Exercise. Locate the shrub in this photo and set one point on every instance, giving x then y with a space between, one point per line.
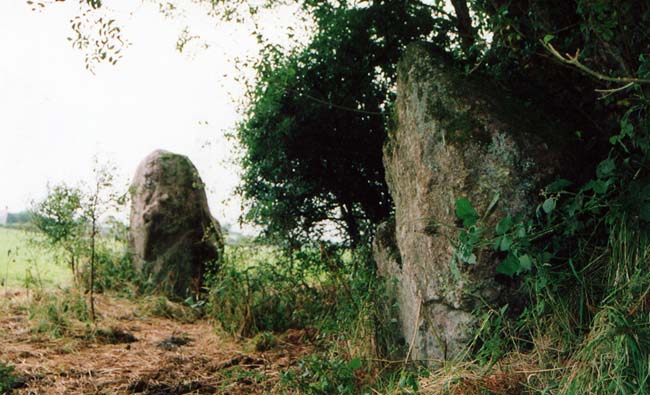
7 378
258 290
114 271
316 375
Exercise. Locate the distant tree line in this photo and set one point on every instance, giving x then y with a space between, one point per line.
21 217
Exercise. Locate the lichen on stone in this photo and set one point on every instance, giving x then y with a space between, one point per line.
455 137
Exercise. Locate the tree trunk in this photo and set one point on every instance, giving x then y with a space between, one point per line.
464 25
351 223
93 236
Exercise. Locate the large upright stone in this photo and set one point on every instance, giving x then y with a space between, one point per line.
173 234
454 136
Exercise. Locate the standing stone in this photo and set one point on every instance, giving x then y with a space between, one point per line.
173 234
454 136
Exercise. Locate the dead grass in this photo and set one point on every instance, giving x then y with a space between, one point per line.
85 363
515 374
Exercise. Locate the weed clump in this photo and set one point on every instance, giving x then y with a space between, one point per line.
114 335
160 306
334 301
264 341
54 314
7 378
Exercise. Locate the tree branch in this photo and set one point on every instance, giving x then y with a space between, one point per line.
572 60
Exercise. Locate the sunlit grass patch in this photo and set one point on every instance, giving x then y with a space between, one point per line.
24 262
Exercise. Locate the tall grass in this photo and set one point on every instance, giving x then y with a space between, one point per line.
334 296
614 354
586 330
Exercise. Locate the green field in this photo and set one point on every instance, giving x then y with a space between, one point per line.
24 263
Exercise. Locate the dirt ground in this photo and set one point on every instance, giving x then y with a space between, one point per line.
144 354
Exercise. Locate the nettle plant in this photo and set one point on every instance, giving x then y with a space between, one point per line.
511 236
569 221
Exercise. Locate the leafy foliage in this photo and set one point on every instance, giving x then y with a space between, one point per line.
321 376
69 218
314 132
256 291
58 218
349 313
7 378
20 218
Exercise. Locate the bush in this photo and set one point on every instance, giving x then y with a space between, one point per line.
114 271
7 378
316 375
257 289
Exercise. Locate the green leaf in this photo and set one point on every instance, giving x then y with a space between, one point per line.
548 38
504 225
505 244
605 168
548 205
509 266
599 187
355 363
525 263
466 212
493 203
521 231
627 129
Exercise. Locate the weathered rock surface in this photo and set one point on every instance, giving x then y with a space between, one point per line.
454 137
173 234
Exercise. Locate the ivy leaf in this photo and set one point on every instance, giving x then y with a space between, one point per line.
521 231
355 363
525 263
548 205
504 225
466 212
599 187
605 168
471 259
627 129
509 266
505 244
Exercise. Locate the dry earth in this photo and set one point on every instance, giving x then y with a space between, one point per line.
145 354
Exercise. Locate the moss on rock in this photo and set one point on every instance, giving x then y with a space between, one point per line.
456 136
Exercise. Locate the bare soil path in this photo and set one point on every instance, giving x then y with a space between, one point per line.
132 353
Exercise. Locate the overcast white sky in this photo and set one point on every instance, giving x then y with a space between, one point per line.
55 116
